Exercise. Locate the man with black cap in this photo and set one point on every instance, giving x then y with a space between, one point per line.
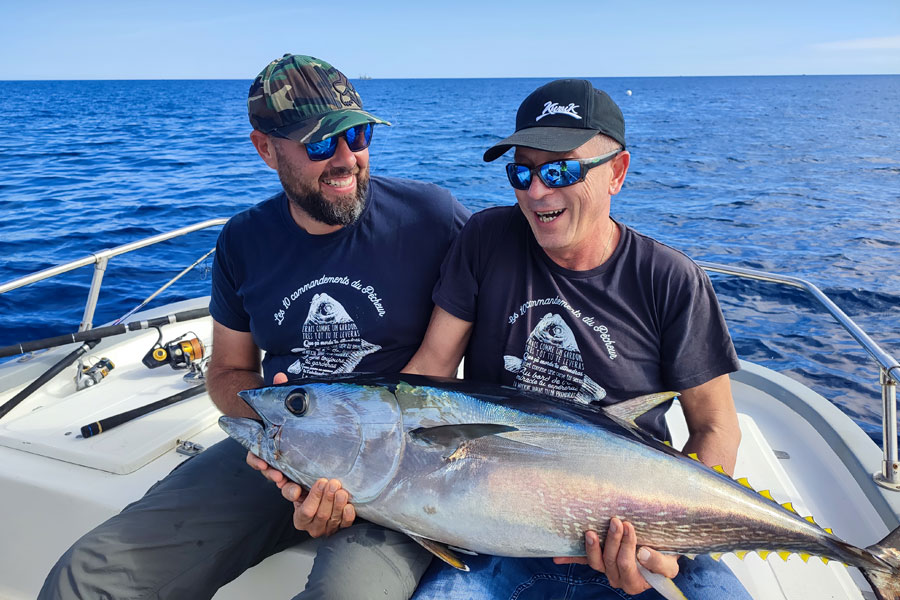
554 296
332 274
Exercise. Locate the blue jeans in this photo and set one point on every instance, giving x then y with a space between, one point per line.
541 579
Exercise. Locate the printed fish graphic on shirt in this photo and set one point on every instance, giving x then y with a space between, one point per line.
552 364
331 340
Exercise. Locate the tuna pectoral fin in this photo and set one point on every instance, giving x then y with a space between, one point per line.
453 435
442 552
662 584
630 410
886 583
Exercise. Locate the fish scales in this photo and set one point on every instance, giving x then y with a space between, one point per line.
505 472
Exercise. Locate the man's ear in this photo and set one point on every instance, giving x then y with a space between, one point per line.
620 169
265 147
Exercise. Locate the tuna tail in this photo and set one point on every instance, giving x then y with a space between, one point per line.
886 583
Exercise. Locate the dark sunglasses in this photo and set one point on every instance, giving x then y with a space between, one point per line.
556 173
358 138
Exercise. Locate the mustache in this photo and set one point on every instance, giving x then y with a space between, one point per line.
339 172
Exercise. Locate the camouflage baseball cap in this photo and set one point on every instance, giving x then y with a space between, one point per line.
304 99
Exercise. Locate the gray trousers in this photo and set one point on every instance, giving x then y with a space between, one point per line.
208 521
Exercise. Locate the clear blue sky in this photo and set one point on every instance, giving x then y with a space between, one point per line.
98 39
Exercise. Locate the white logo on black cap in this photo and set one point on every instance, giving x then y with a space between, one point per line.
553 108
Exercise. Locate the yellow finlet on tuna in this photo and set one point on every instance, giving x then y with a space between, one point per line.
744 482
829 530
804 556
790 507
811 520
741 553
784 555
767 494
716 555
764 554
719 469
693 455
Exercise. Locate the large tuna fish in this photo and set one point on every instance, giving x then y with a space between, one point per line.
499 471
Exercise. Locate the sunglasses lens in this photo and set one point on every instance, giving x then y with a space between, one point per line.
560 173
358 137
322 150
519 176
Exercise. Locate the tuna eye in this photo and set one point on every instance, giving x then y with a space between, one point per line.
297 402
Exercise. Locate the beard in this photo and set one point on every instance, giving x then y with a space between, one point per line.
343 210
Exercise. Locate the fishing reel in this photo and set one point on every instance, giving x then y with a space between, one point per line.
178 354
89 375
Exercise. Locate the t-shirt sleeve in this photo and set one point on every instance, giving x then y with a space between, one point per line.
696 346
457 289
225 304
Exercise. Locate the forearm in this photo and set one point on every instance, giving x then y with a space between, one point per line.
223 385
712 423
443 346
716 446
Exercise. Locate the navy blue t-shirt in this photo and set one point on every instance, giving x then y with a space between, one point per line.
647 320
357 299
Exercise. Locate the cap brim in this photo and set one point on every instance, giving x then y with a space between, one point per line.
327 125
550 139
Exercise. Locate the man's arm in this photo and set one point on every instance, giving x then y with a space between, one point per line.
714 433
443 346
233 366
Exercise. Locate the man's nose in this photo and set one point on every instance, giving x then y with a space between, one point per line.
343 155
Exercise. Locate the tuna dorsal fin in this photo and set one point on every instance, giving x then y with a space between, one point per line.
441 551
630 410
453 435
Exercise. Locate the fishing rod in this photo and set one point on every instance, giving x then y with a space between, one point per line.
98 427
102 332
46 376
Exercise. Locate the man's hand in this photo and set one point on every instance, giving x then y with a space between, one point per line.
273 475
619 557
324 510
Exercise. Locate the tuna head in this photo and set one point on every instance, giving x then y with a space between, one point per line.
308 431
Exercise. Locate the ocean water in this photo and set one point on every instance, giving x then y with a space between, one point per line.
794 175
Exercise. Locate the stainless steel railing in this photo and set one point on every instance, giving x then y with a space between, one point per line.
889 368
100 260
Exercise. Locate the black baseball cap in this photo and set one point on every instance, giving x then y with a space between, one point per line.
562 115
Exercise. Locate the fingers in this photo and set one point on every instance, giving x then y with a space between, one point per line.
325 509
657 562
611 550
619 558
256 462
279 378
273 475
594 556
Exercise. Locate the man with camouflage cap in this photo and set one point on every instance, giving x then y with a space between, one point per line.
332 274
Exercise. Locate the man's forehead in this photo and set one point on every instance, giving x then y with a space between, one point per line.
541 156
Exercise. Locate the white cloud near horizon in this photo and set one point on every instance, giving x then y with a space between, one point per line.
874 43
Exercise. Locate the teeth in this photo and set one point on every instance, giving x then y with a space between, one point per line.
546 217
339 182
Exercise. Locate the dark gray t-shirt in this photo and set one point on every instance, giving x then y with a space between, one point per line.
357 299
647 320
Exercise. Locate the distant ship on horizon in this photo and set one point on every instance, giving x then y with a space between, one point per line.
364 77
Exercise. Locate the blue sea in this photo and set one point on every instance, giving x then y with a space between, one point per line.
795 175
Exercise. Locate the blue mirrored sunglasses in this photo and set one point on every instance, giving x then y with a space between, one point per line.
556 173
358 138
